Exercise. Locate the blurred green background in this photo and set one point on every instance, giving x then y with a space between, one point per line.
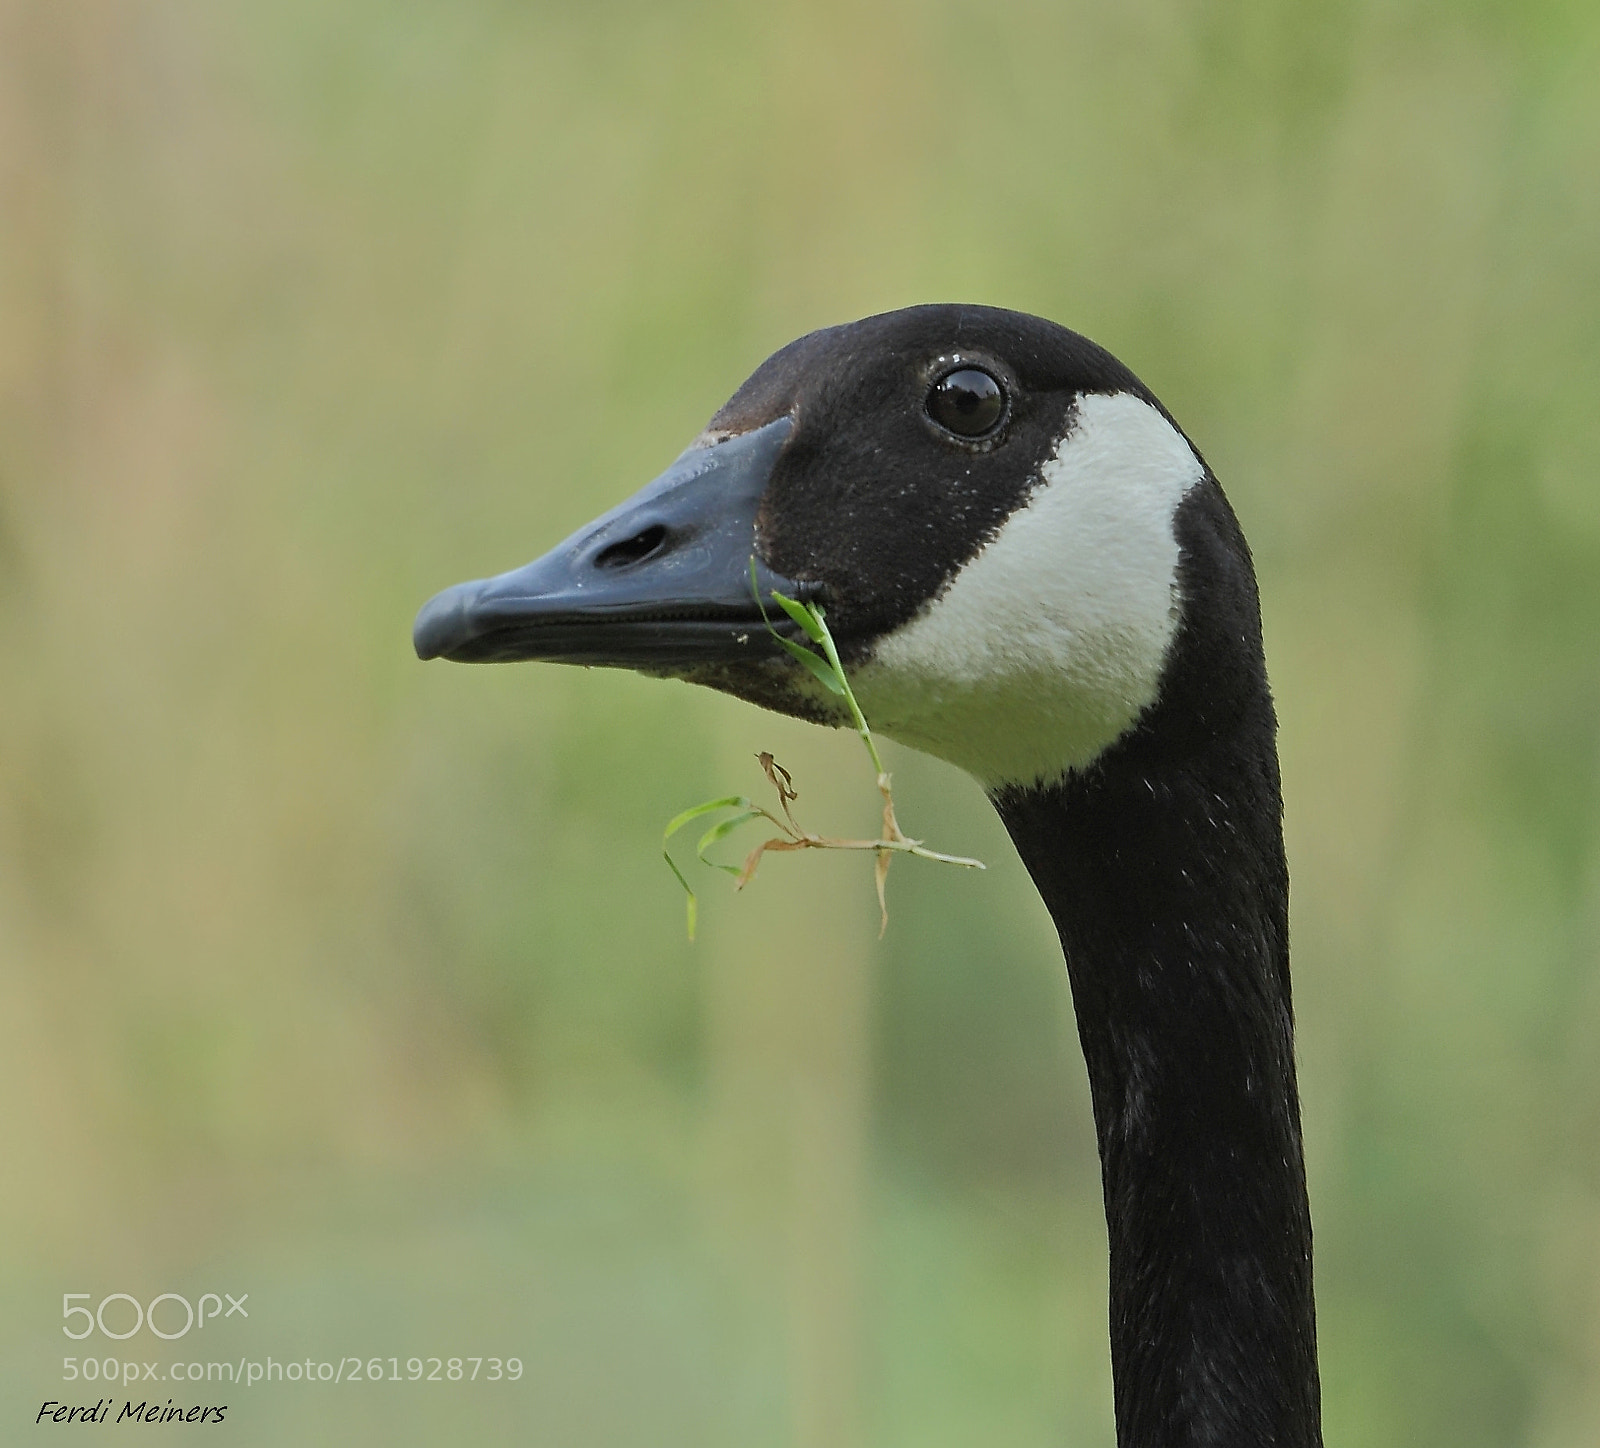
360 985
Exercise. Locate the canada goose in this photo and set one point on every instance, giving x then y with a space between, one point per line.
1032 573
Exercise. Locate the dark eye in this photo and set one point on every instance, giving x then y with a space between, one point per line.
967 402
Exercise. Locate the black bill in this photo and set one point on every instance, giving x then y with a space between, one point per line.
661 581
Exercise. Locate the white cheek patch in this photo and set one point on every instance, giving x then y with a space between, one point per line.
1050 642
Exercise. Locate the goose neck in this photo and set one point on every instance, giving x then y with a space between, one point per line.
1169 890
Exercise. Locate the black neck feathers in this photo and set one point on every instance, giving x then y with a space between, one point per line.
1163 867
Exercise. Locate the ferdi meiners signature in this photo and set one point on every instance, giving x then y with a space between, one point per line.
145 1412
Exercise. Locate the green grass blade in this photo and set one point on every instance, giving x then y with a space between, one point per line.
815 662
691 906
711 806
837 669
722 831
804 614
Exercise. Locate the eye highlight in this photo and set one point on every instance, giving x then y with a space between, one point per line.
967 402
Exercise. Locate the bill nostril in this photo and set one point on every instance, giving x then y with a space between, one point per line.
632 550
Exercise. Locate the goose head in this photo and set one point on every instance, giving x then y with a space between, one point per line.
996 516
